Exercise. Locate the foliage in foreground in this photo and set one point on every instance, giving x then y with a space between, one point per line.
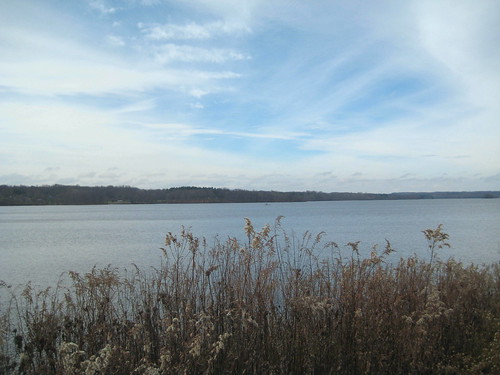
270 305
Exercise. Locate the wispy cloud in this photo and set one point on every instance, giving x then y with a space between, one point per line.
115 40
257 94
100 6
51 77
45 63
167 53
190 30
464 44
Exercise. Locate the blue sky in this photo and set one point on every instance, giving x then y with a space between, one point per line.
363 96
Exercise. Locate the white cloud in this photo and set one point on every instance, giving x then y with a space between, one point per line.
76 139
173 130
150 2
238 12
42 62
463 37
101 6
197 105
190 31
296 89
115 40
139 106
198 93
96 76
167 53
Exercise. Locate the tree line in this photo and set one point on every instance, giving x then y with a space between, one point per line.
75 194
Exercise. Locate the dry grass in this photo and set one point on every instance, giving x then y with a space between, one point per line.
270 305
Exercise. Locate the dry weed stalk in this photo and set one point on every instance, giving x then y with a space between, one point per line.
272 304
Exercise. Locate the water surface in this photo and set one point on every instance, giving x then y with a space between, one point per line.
39 243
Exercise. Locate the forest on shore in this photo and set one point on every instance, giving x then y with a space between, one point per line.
76 194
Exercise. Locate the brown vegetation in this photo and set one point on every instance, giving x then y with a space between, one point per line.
270 305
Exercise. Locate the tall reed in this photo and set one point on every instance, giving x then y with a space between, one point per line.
271 304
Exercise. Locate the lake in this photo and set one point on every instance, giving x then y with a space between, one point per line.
39 243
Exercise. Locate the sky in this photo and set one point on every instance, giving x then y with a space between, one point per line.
325 95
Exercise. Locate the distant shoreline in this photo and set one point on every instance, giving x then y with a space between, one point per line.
21 195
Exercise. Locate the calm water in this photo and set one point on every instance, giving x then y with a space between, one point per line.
39 243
